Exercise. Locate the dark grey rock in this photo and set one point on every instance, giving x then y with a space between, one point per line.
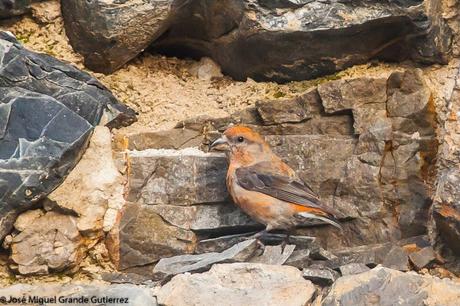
292 40
386 287
397 259
320 276
110 33
48 110
9 8
422 258
353 268
242 251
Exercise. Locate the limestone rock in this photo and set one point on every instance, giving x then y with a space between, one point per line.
110 33
93 186
47 112
49 243
383 286
239 284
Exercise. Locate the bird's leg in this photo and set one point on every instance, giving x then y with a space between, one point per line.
258 234
285 240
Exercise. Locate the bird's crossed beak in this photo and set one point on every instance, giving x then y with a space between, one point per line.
220 144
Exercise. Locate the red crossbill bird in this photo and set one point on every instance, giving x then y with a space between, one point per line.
265 187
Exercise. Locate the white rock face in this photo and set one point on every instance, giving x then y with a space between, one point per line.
94 188
239 284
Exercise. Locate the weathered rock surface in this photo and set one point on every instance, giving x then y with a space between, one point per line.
353 268
305 39
93 294
422 258
47 112
397 259
176 177
239 284
446 207
374 161
141 237
383 286
9 8
110 33
240 252
94 189
46 242
275 254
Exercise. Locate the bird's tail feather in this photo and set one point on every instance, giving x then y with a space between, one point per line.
330 219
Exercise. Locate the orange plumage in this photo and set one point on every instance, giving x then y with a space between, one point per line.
265 187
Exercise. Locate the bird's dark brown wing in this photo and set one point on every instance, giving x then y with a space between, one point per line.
263 178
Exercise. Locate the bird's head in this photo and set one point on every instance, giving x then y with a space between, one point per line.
243 145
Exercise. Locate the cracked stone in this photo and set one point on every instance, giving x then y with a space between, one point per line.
49 243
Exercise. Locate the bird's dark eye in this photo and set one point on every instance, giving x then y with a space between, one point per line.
240 139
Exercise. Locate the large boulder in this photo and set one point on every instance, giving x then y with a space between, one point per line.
110 33
48 110
383 286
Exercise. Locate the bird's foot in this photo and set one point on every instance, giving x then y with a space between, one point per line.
285 242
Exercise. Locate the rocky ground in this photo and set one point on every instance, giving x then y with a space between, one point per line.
145 214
